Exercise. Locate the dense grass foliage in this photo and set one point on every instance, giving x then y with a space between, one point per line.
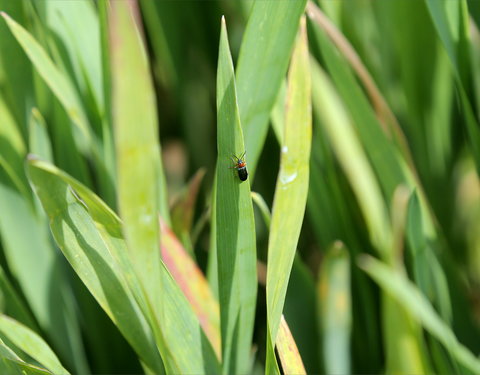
130 244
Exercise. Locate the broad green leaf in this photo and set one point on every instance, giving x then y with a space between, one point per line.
335 312
31 343
288 351
191 352
292 185
262 64
235 229
138 160
411 299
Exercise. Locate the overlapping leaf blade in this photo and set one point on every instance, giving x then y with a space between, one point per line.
90 256
105 269
31 343
262 64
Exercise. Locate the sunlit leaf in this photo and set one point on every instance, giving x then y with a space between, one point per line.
235 229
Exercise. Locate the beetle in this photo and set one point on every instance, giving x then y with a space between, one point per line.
240 166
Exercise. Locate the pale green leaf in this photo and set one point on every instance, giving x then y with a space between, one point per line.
137 151
292 185
335 312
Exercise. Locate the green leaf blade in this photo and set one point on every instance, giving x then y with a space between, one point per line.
138 160
292 185
55 79
235 229
103 265
77 236
335 311
411 299
351 155
31 343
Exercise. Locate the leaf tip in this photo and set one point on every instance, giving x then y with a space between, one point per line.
223 25
363 261
338 245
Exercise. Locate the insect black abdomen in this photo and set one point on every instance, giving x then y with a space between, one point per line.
242 173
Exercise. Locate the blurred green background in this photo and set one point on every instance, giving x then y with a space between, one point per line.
395 155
